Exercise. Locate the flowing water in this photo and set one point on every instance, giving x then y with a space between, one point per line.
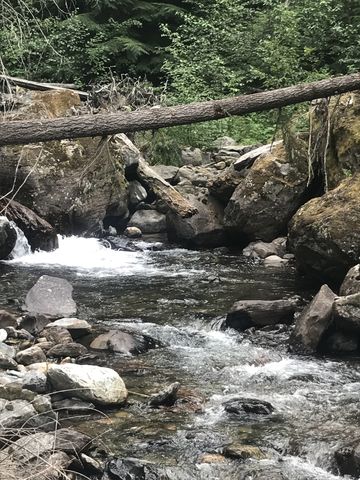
179 297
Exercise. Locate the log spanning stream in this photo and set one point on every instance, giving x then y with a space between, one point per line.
178 296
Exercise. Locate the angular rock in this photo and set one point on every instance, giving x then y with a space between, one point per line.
8 238
347 313
125 342
7 319
58 335
72 350
263 249
75 326
258 313
324 233
241 406
15 413
95 384
51 296
137 193
351 283
7 362
167 172
166 397
39 233
35 382
264 202
148 221
7 350
313 322
31 355
205 228
224 184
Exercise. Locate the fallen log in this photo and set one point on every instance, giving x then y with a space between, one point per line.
30 85
23 132
160 187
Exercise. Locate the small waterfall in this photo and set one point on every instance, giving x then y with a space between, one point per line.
22 246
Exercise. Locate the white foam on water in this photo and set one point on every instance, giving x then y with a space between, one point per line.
89 257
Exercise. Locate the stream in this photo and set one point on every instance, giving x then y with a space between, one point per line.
179 296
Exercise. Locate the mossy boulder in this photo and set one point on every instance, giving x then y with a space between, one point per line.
264 202
325 235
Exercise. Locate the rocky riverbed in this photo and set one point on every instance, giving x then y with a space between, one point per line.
142 368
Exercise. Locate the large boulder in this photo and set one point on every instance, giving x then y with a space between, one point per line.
259 313
351 283
324 234
7 238
264 202
51 296
100 385
347 313
205 228
148 221
39 233
313 323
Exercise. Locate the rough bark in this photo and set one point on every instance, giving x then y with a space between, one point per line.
153 118
162 189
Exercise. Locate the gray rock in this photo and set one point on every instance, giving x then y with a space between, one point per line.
274 261
191 156
3 335
7 362
42 404
240 405
15 413
7 350
95 384
35 381
223 142
242 452
31 355
51 296
34 324
148 221
348 459
313 322
167 172
263 249
72 350
72 405
137 193
347 313
258 313
8 238
75 326
166 397
351 283
7 319
123 342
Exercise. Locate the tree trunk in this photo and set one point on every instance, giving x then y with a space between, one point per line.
22 132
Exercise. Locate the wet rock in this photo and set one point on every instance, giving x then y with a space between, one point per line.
313 322
242 452
91 383
351 283
324 233
348 460
133 232
7 319
72 350
167 172
148 221
264 202
205 228
51 296
58 335
31 355
75 326
123 342
258 313
274 261
166 397
340 343
347 313
263 249
72 405
8 238
239 406
211 458
131 468
39 233
15 413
